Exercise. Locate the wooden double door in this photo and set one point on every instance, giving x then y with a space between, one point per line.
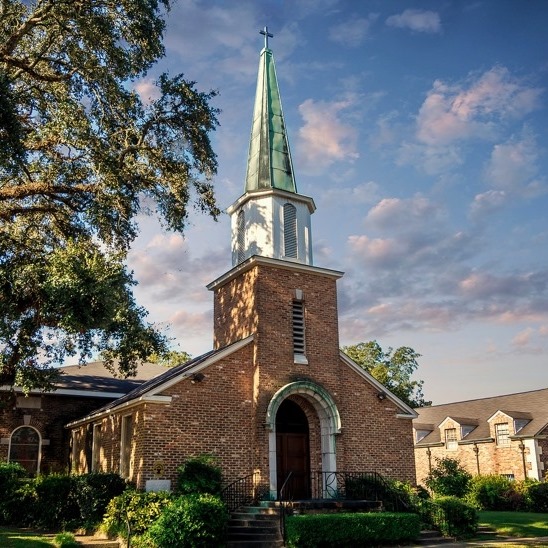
292 451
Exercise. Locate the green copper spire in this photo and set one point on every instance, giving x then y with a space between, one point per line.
269 162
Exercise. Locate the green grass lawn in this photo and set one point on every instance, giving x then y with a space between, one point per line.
21 538
516 524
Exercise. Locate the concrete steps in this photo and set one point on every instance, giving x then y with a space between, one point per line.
255 527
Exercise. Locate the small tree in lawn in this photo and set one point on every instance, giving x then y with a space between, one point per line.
449 478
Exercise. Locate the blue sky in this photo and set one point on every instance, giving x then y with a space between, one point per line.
420 130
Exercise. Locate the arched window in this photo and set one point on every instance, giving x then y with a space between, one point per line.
290 231
240 243
25 448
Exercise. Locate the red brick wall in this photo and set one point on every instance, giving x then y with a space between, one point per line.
225 414
49 420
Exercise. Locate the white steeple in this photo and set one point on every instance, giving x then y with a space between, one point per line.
270 219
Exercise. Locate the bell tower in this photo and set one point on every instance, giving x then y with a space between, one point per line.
271 219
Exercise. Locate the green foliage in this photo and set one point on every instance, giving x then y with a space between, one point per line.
493 492
451 515
52 504
93 492
199 474
80 153
65 540
11 474
349 530
538 495
133 510
448 478
191 521
172 358
393 368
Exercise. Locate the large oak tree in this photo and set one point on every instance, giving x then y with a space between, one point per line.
80 155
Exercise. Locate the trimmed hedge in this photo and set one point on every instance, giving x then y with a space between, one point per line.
349 530
452 516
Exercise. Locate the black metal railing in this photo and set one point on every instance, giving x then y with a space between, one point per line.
241 492
343 485
284 504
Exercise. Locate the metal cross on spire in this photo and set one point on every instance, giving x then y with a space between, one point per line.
266 35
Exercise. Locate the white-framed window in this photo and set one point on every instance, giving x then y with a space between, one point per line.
451 439
126 445
25 444
96 449
240 237
502 434
290 231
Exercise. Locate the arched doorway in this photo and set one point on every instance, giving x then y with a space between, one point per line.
329 426
292 451
25 448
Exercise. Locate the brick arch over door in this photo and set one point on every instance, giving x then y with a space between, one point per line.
328 414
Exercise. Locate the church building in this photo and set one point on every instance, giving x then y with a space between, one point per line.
275 395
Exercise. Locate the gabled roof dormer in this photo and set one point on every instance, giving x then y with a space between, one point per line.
270 219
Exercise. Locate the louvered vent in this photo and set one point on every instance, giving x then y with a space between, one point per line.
298 327
241 237
290 231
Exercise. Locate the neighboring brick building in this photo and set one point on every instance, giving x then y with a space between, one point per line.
504 435
276 394
32 428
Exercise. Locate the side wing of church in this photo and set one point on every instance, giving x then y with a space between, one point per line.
276 395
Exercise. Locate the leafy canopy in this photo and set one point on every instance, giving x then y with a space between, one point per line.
81 154
393 368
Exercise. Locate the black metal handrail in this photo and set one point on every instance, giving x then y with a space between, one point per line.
284 505
240 492
342 485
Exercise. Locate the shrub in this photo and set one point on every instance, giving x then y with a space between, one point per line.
199 475
65 540
349 530
449 478
452 516
538 495
137 509
191 521
92 493
53 505
11 474
490 492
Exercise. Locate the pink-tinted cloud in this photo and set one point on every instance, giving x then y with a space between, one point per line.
452 113
325 137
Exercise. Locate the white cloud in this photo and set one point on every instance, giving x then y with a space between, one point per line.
350 33
487 202
325 137
147 90
451 113
377 252
513 167
416 20
396 212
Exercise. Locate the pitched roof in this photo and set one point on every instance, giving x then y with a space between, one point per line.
168 377
95 377
269 163
531 405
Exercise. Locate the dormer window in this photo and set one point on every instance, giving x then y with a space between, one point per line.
290 231
451 443
502 434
